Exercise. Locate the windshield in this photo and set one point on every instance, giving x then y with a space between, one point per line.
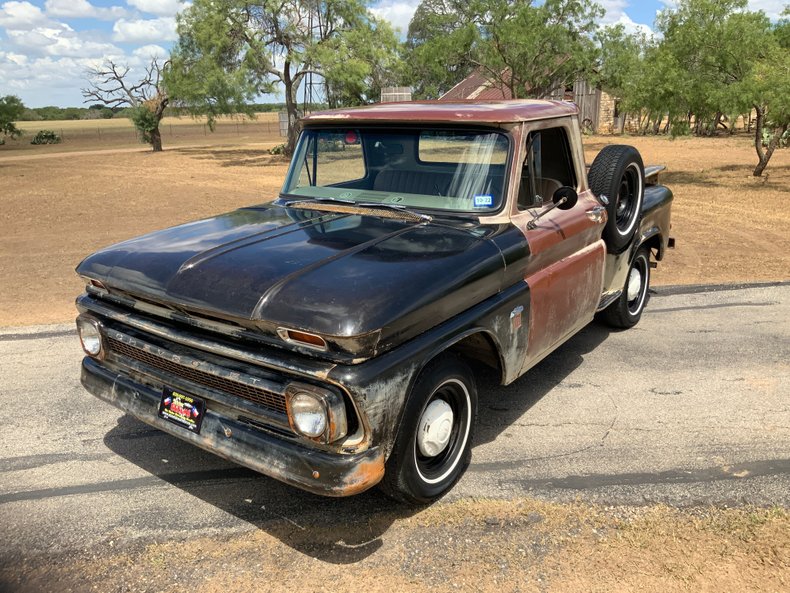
462 171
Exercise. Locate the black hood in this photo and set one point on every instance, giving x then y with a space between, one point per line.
378 280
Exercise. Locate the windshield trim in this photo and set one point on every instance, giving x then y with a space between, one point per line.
294 168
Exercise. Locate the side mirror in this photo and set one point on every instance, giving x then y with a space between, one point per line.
565 198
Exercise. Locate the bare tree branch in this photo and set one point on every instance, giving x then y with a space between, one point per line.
109 85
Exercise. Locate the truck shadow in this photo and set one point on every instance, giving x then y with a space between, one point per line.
499 406
336 530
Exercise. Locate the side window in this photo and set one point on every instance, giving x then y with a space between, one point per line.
547 167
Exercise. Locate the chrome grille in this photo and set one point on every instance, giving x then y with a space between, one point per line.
262 397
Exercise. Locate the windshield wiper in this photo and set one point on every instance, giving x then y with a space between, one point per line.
350 204
398 207
320 199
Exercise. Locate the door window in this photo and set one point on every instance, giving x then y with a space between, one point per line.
547 167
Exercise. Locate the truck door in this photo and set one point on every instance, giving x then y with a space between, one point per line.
565 268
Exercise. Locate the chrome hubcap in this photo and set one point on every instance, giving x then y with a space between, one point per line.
634 284
435 428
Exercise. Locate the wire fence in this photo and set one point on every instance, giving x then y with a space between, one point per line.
249 130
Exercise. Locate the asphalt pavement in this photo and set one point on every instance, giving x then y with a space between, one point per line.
690 407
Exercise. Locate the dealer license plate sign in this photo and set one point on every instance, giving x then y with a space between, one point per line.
185 410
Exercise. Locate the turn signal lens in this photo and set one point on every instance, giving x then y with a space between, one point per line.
302 338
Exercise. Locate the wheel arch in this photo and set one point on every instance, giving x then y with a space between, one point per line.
653 240
480 346
477 344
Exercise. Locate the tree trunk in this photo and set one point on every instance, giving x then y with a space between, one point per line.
291 108
766 154
159 112
156 140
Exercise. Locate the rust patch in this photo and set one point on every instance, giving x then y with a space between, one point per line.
364 476
564 297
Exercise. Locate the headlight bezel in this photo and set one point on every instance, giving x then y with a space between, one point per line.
330 404
85 322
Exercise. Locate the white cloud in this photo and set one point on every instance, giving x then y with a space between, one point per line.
60 40
615 9
47 77
631 27
145 30
21 15
772 8
158 7
82 9
146 52
399 14
616 14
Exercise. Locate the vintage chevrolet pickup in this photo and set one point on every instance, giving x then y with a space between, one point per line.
327 338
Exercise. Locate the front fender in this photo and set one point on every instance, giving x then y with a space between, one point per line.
381 385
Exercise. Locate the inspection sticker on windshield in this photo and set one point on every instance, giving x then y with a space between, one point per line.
184 410
484 201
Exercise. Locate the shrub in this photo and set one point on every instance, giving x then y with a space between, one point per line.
144 120
46 137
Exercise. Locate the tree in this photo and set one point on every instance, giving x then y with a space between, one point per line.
772 81
357 65
727 60
11 109
622 71
536 50
529 48
441 40
772 105
230 51
146 99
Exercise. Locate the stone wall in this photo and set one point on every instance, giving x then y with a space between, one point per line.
606 123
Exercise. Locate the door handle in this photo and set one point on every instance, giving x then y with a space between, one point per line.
596 214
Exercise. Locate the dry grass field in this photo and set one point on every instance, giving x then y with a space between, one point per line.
59 203
97 134
487 546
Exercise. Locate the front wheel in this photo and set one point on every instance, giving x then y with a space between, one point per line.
626 311
434 444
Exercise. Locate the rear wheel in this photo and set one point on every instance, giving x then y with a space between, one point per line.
434 444
619 174
626 311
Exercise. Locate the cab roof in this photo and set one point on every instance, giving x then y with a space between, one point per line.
490 112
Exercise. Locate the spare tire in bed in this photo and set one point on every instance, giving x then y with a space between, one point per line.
619 174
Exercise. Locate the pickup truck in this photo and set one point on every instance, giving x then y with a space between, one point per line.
327 338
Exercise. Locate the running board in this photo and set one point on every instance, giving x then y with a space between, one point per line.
608 298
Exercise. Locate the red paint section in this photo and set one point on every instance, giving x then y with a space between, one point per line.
563 299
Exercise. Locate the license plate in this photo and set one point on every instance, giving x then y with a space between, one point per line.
185 410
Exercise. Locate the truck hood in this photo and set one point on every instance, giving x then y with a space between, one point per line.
371 282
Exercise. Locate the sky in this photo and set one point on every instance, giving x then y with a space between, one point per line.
47 46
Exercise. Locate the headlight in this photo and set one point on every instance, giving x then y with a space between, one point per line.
90 335
309 415
316 413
